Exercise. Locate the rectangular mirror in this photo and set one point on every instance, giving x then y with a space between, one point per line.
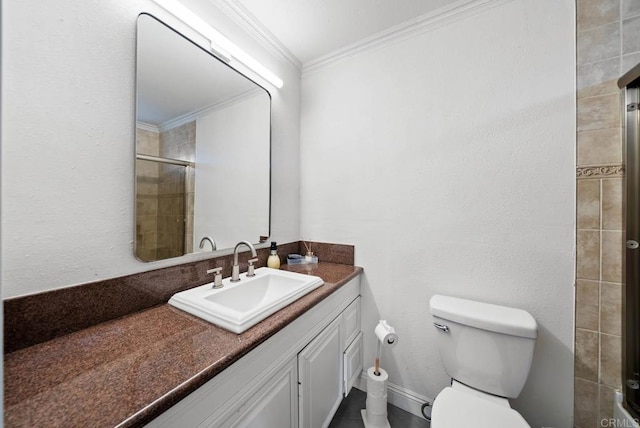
203 149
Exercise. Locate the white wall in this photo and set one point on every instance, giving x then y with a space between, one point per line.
232 159
448 160
68 88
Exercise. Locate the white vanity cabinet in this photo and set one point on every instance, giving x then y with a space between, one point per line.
295 379
328 366
320 377
273 405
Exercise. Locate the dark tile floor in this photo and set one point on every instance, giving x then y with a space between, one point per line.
348 414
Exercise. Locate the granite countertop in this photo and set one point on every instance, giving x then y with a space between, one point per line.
129 370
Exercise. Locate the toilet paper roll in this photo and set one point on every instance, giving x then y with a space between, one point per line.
376 411
377 406
377 420
386 334
376 385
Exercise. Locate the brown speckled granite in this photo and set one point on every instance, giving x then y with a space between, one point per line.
129 370
331 253
34 319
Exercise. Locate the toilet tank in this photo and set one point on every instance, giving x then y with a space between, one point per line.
484 346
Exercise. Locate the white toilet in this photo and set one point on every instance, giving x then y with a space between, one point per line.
487 350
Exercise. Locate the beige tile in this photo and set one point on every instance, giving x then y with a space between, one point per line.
587 304
598 78
600 112
146 206
588 204
588 254
146 188
630 8
612 252
179 142
630 61
146 225
147 142
147 169
585 405
610 360
631 35
607 87
611 308
612 203
586 356
593 13
600 147
598 43
606 402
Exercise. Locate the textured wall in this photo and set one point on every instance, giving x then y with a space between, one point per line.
448 160
68 140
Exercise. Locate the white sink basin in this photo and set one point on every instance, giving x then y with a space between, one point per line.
240 305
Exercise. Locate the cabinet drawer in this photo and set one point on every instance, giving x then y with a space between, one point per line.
350 323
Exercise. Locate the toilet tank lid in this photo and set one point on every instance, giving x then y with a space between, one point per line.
486 316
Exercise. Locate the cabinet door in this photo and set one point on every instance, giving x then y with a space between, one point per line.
320 378
352 363
275 405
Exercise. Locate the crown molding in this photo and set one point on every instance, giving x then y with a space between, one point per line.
147 127
191 116
446 15
249 23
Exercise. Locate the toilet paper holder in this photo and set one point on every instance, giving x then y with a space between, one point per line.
375 414
387 337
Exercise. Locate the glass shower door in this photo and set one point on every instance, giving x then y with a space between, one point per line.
161 208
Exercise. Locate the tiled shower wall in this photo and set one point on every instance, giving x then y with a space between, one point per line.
173 205
608 44
161 203
147 173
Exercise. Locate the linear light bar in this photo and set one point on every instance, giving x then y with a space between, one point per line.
220 45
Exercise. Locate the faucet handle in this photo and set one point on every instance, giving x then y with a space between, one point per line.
250 271
217 279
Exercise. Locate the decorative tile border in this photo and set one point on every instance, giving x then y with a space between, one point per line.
599 171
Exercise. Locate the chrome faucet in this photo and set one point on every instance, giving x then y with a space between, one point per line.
211 241
217 278
235 271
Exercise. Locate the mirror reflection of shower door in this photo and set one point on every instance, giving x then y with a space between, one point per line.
631 319
161 208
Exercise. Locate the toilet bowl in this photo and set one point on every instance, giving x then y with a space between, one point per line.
487 350
457 408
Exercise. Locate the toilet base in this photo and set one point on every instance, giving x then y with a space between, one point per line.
368 424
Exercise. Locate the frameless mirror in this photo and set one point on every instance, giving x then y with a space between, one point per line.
203 144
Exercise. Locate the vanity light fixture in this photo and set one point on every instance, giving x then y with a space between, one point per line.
220 45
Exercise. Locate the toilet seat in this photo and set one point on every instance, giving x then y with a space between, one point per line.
453 408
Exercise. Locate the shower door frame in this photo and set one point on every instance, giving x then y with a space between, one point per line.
631 301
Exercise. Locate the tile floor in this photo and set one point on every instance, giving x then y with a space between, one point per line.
348 414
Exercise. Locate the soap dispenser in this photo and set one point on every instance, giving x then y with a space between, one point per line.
273 261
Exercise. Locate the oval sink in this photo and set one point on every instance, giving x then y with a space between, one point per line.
238 306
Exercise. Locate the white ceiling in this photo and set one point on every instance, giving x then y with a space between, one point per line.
177 78
313 28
